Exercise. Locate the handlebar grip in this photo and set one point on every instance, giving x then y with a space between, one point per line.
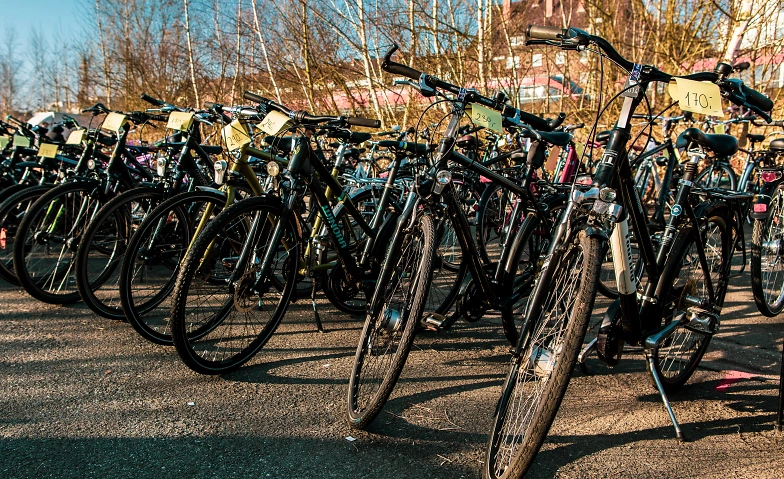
541 32
210 105
402 70
254 97
755 98
357 121
556 122
151 100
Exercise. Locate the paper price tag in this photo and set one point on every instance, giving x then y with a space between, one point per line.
4 141
22 141
235 135
180 120
697 97
76 137
720 129
47 150
483 116
113 122
274 123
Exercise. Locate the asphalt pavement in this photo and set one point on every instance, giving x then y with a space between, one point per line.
86 397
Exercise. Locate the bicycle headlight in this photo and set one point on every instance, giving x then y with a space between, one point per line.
273 169
160 166
443 178
220 171
607 194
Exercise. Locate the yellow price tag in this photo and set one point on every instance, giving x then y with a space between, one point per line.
235 135
113 122
274 123
697 96
720 129
22 141
4 141
579 149
47 150
180 120
76 137
483 116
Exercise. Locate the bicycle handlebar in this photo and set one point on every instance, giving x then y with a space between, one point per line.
575 39
153 101
305 117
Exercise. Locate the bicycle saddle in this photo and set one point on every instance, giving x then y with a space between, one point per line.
755 138
602 137
721 145
777 145
468 141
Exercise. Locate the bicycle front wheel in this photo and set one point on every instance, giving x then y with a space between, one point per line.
223 312
104 244
48 238
552 335
391 322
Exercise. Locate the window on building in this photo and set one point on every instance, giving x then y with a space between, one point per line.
536 60
517 41
560 58
512 62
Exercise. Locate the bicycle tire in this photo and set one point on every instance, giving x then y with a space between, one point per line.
204 332
411 258
517 434
12 211
767 260
345 297
49 275
151 263
97 269
725 177
679 356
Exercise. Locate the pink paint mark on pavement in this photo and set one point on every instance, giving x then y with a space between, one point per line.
732 377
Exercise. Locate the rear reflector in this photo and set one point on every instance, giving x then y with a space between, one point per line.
769 176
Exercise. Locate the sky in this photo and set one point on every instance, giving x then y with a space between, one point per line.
47 15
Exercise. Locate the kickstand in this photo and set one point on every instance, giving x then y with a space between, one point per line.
587 350
657 380
780 414
315 308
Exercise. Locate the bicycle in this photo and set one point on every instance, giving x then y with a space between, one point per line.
683 294
396 309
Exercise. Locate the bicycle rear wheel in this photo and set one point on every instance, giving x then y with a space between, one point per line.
218 321
684 279
556 321
391 322
767 257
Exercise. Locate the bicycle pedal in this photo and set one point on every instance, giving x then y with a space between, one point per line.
433 322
